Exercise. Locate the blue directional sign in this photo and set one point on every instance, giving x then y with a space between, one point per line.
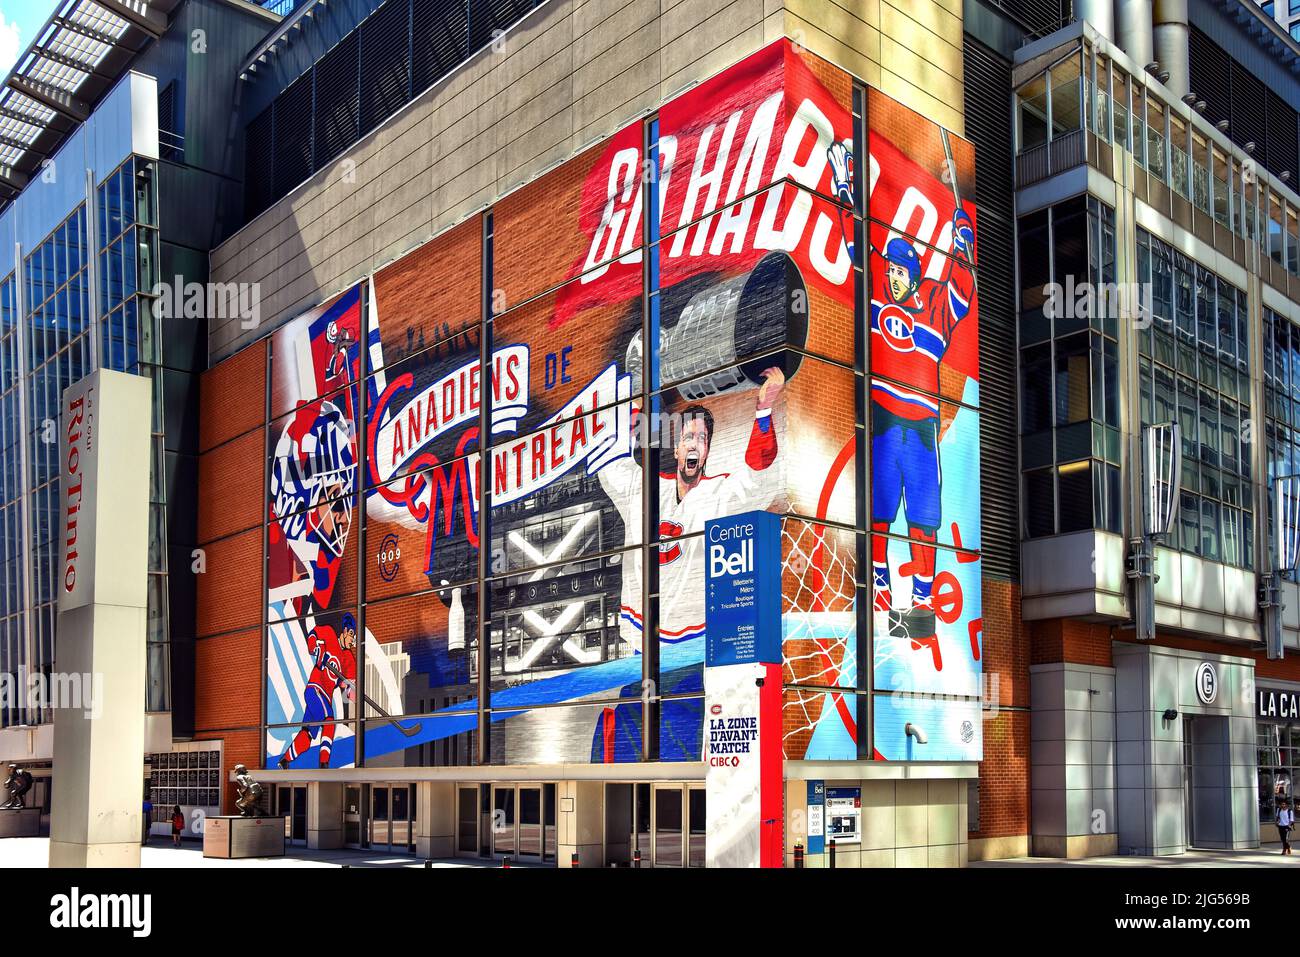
816 817
742 589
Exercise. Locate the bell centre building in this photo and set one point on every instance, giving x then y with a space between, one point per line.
681 434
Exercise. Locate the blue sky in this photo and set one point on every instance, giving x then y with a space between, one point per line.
19 21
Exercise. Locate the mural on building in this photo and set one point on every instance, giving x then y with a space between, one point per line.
695 323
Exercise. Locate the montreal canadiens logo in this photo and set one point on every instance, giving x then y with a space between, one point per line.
669 552
390 553
896 326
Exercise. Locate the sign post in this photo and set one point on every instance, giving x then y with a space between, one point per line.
103 529
742 691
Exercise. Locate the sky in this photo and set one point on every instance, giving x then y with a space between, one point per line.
19 21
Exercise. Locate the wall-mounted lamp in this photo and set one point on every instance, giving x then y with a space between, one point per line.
1200 106
1249 147
1221 126
1171 714
915 731
1189 99
1152 67
1285 175
1163 76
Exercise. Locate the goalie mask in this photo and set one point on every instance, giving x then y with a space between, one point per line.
313 476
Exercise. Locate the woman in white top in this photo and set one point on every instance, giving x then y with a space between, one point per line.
1285 821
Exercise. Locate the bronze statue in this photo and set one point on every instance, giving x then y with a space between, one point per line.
249 792
17 784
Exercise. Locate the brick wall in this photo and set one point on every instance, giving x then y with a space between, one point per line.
228 651
1004 772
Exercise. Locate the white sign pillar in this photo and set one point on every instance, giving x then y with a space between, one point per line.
98 785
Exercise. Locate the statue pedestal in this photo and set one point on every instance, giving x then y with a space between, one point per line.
20 822
231 836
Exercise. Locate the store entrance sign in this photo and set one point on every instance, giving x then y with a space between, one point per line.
1277 703
743 589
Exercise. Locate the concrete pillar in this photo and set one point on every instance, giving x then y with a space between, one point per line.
324 815
581 822
1073 764
103 526
435 819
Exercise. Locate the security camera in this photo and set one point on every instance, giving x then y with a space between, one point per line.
915 731
1171 714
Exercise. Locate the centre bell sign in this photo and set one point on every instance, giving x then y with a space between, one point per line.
742 690
103 529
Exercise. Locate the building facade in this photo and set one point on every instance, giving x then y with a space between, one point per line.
679 285
905 298
113 179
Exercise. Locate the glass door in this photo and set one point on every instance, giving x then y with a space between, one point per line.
401 818
299 819
467 822
695 825
548 823
352 816
668 825
379 794
503 820
530 823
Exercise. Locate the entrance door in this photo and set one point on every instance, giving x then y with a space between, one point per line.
530 823
669 825
503 820
392 818
379 811
290 803
695 824
352 816
467 815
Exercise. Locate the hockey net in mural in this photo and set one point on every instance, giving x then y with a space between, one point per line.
818 590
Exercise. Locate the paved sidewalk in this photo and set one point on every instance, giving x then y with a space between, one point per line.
34 852
1267 855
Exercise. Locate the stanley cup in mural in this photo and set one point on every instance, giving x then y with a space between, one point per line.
700 323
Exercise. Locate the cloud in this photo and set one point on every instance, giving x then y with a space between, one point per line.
10 44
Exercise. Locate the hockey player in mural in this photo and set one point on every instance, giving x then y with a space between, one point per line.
912 321
334 669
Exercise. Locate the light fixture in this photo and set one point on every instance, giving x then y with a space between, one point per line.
1249 147
915 731
1152 67
1163 76
1200 106
1221 126
1285 175
1189 99
1171 714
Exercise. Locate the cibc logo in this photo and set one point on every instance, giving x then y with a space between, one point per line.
1207 682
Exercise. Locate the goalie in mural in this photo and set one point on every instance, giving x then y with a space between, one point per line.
311 655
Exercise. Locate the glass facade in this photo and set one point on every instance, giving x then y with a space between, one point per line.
53 349
1278 747
1194 369
1069 370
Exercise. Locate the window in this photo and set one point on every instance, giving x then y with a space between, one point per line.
1193 369
1069 370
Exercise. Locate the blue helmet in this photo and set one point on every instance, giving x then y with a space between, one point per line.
349 623
902 253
